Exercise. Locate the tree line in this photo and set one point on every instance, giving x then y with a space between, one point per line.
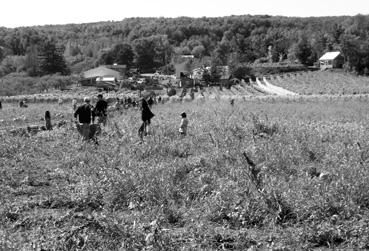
154 43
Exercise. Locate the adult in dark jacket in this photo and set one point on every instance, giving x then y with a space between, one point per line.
146 116
100 110
150 102
84 114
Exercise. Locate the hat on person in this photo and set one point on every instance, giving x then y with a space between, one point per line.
86 99
183 114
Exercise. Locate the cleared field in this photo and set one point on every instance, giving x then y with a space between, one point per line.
304 185
323 82
12 116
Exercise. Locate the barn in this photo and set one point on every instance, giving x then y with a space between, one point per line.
331 60
99 74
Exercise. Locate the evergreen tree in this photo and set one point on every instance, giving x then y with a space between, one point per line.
2 54
51 60
31 61
145 53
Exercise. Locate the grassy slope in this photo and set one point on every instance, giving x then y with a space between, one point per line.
327 82
196 192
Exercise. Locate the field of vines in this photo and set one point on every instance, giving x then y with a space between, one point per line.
260 174
323 82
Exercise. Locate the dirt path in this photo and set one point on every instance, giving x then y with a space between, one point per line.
272 89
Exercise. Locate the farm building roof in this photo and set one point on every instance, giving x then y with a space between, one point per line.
101 72
106 79
330 55
116 67
187 56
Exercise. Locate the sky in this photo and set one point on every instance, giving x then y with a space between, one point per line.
16 13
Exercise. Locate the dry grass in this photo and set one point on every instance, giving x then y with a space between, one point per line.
324 82
303 186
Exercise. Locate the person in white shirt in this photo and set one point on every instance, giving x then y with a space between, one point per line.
184 124
74 104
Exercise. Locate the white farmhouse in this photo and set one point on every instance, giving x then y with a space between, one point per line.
331 60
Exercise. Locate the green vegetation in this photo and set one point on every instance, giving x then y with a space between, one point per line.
261 174
19 83
154 43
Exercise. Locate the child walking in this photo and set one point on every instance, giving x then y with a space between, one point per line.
183 125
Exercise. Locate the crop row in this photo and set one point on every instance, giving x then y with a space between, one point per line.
323 83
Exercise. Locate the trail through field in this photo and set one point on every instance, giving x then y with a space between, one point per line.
272 89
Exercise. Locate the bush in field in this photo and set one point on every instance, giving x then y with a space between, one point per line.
171 92
58 81
20 83
242 72
12 64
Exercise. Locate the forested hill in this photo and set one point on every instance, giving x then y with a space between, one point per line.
152 43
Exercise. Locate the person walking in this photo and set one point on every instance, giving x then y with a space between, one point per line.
84 114
150 102
184 124
100 110
146 116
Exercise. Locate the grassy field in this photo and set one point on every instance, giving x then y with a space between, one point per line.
326 82
13 117
308 189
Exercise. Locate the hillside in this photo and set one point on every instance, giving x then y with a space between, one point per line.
151 43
